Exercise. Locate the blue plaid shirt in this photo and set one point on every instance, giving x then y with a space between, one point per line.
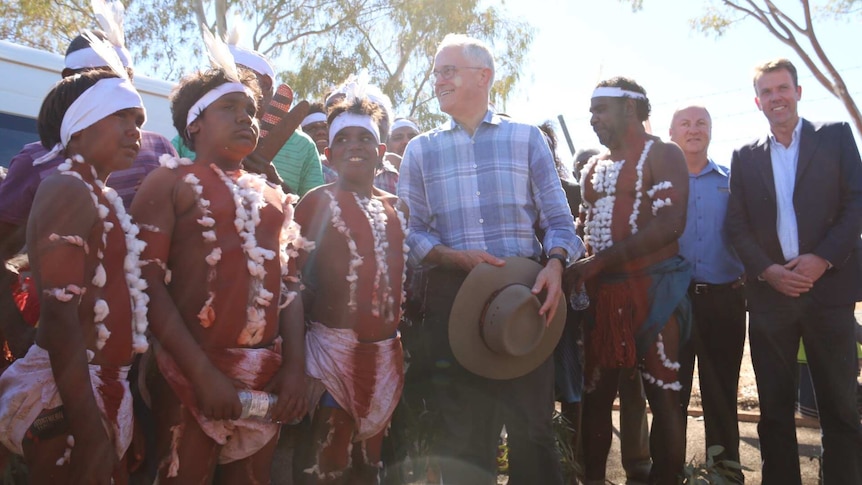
489 192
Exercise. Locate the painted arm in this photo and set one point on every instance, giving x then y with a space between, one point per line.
58 265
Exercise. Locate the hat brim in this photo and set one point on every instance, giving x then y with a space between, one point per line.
465 337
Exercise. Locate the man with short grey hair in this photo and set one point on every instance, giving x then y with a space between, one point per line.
477 187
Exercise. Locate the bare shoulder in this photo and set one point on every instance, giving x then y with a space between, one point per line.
159 180
64 194
157 190
385 197
663 151
313 197
312 206
63 204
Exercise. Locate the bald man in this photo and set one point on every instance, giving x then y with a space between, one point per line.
718 303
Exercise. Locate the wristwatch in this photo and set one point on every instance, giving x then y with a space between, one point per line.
562 259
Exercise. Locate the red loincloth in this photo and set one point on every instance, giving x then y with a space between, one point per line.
27 388
239 438
364 378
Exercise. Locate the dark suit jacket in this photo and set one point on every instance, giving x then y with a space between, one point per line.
828 204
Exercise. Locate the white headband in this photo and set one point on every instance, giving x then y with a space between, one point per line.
403 123
352 119
87 57
104 98
212 95
313 118
252 60
614 92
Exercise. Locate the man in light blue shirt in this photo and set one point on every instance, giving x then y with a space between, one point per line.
718 303
477 188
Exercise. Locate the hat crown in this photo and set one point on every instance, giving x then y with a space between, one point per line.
495 330
511 324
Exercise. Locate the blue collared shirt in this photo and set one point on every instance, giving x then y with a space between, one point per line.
485 192
704 243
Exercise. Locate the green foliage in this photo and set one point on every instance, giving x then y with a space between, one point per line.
713 472
845 10
713 21
44 24
15 472
316 43
563 435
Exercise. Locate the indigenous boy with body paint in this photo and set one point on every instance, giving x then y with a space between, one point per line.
216 259
354 276
66 406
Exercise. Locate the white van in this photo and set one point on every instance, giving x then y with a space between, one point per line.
26 76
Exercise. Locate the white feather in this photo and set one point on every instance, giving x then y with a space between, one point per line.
220 55
110 18
235 33
106 51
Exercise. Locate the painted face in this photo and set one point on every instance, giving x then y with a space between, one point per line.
458 84
229 123
111 143
355 154
607 119
319 132
398 139
691 129
777 97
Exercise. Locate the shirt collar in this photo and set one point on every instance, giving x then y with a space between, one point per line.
491 117
710 167
794 138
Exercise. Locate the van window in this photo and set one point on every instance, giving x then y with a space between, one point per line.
15 132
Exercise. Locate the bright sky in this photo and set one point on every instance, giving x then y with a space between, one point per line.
580 42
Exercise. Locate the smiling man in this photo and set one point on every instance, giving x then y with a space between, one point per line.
794 217
718 305
477 187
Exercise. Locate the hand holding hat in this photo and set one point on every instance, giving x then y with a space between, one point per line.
495 329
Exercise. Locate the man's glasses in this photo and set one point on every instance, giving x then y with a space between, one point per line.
446 72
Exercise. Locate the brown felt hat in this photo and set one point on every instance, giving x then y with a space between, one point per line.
495 329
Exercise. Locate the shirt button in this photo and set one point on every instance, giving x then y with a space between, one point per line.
475 166
481 221
478 193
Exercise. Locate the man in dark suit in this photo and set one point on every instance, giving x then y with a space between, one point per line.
795 217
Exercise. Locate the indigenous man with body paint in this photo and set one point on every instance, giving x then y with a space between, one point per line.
352 267
218 241
66 405
633 212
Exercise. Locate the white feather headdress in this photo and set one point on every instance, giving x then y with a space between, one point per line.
106 51
220 56
110 17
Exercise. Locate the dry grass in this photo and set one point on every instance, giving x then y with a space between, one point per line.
747 391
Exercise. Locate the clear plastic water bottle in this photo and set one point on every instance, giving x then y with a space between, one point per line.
579 300
257 404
